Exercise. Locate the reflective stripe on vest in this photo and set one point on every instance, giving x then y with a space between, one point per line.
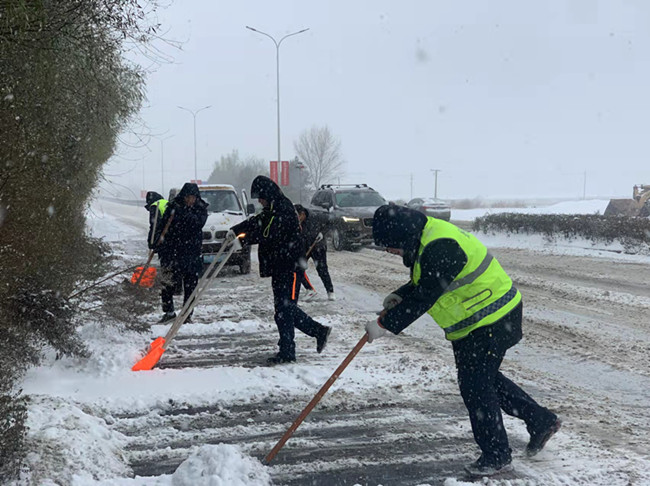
481 294
162 205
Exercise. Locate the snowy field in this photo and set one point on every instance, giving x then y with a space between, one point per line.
213 409
588 206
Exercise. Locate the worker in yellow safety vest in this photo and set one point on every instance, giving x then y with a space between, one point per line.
466 291
156 206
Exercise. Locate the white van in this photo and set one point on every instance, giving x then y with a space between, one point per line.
225 210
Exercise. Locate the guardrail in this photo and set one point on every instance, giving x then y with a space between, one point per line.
127 202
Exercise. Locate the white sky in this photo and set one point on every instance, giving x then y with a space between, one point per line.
507 98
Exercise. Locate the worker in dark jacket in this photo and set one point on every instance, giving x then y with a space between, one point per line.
156 205
463 287
276 231
180 250
301 268
314 226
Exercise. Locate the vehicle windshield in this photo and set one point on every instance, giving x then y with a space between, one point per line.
220 201
356 199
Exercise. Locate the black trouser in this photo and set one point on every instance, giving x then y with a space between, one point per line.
288 316
304 280
486 391
319 255
174 278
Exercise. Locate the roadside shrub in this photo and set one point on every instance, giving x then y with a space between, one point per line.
632 233
66 92
12 433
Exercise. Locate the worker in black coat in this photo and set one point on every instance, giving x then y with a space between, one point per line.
464 288
180 249
314 226
276 231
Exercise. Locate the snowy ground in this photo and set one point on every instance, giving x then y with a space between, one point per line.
394 417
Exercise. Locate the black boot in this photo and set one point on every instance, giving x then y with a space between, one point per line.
321 341
485 467
279 359
167 316
539 439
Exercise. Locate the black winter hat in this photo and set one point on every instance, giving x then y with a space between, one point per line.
188 189
151 198
397 226
264 188
301 209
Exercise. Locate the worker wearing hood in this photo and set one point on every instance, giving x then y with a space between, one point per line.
277 232
180 250
464 288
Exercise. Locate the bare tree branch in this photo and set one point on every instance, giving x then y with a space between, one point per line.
320 151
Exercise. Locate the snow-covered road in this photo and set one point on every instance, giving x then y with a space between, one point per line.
394 417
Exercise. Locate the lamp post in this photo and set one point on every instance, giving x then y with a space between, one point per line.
162 164
277 61
194 113
435 172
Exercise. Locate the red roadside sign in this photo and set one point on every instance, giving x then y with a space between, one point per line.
285 173
274 171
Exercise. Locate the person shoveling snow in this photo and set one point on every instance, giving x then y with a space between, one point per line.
463 287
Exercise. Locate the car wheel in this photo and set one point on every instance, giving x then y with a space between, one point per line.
337 240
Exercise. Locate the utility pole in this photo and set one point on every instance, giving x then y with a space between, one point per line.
277 67
435 172
143 186
162 164
194 113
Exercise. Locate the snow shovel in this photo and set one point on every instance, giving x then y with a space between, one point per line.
160 344
314 401
318 238
146 275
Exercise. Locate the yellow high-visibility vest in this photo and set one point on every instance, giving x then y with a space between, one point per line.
162 205
481 294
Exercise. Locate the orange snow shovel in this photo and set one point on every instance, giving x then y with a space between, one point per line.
145 276
314 401
160 344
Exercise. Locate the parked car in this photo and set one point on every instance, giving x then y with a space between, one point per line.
224 211
436 208
351 208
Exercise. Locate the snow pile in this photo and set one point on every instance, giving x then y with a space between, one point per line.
220 465
68 443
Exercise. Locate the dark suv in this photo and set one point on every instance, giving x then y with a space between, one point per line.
351 208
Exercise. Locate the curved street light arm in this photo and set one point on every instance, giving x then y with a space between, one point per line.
294 33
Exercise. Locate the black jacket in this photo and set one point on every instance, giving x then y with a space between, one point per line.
181 247
316 222
441 261
275 229
155 218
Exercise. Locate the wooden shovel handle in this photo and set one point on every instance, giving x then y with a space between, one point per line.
314 401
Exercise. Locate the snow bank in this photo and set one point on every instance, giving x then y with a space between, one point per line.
69 445
208 465
567 207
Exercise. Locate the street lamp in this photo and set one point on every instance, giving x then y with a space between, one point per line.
194 113
435 171
277 60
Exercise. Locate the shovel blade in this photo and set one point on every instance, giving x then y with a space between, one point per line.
156 350
145 279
